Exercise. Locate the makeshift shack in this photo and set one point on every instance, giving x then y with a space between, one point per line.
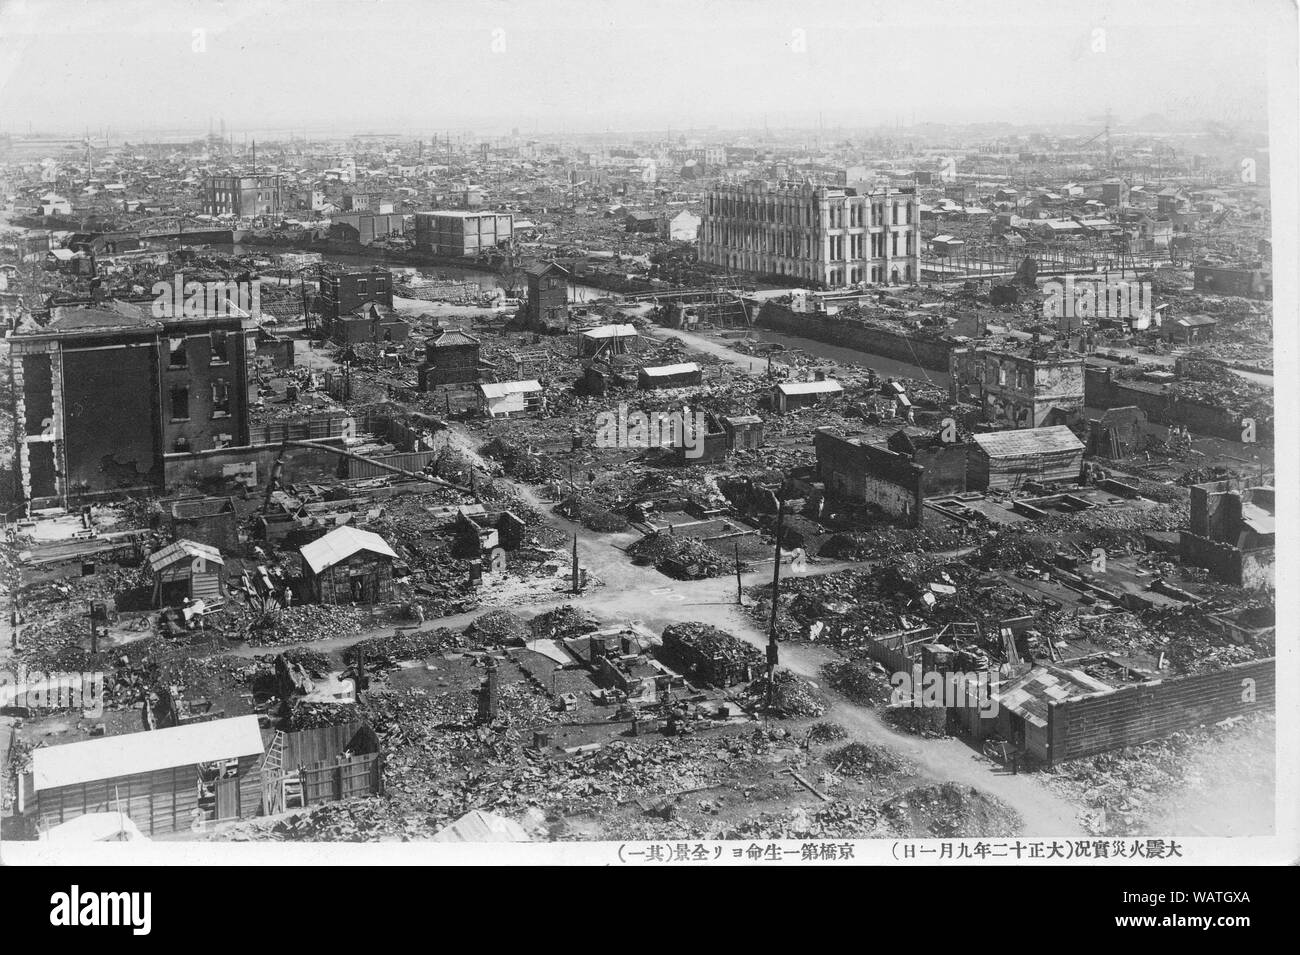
1007 459
744 432
348 565
505 398
682 375
187 569
792 395
164 781
610 339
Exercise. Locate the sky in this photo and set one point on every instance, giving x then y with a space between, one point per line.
569 66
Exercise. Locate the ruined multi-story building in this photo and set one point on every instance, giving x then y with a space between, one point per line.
343 291
462 233
1030 388
816 235
1232 533
548 296
103 393
261 195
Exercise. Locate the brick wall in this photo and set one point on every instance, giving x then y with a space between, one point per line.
1136 714
866 474
928 353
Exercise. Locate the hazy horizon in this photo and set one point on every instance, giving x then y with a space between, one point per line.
334 67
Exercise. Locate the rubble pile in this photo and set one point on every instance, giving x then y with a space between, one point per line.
307 623
702 651
564 621
56 613
680 557
520 463
948 811
387 652
863 759
591 515
882 542
497 628
861 681
1128 791
827 732
357 820
791 695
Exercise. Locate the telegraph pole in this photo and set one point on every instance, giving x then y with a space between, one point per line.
576 588
740 599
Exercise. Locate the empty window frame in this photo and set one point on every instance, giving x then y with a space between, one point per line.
180 403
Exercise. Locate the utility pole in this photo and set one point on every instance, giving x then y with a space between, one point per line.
772 652
576 588
740 599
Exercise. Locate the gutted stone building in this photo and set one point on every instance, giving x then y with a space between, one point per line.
1019 388
817 235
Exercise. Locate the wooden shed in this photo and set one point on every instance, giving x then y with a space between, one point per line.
324 764
793 395
187 569
1007 459
349 565
682 375
744 432
163 780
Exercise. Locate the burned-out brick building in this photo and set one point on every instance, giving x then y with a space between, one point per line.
860 472
451 358
343 292
372 323
548 297
462 233
1232 533
260 195
1030 388
102 393
1242 281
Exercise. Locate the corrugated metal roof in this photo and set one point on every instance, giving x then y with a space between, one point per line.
1028 696
1007 444
131 753
502 388
183 550
340 544
610 331
808 387
665 371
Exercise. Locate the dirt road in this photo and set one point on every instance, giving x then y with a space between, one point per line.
641 595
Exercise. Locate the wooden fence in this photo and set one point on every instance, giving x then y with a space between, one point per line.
323 764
